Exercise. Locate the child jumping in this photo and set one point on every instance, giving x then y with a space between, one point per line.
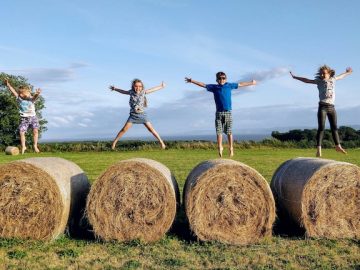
222 97
137 103
27 113
325 80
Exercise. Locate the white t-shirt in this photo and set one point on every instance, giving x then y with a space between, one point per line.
26 107
326 89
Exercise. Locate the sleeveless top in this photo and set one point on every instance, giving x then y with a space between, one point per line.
137 101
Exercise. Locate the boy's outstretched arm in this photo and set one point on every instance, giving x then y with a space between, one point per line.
12 90
156 88
343 75
189 80
36 95
113 88
305 80
242 84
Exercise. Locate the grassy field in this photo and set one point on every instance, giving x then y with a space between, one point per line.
178 250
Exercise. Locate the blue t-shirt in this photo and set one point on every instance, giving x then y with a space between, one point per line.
222 95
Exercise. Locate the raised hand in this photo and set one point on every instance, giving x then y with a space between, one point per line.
253 82
188 80
349 70
6 82
38 91
112 88
292 75
162 84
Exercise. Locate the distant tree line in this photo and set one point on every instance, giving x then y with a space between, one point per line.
350 138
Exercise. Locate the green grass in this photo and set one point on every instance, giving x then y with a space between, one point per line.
176 250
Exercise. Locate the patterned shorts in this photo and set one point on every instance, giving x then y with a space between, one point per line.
223 122
26 122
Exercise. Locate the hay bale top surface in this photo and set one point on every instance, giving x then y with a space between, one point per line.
133 199
228 201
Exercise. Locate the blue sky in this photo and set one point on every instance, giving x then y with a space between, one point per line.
74 50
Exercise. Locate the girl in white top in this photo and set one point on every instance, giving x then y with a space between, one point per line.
325 80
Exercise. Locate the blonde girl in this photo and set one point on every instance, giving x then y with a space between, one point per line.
137 103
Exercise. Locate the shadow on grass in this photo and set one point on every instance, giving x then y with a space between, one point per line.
284 226
181 228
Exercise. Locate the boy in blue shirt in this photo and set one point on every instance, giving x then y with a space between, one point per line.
222 97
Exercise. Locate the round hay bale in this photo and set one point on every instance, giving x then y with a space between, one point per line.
133 199
322 196
39 197
12 150
229 202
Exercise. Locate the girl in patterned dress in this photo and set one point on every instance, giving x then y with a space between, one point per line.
325 80
138 103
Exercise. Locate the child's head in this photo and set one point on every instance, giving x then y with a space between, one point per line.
325 72
137 85
221 77
24 91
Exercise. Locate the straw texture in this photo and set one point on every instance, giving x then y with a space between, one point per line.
229 202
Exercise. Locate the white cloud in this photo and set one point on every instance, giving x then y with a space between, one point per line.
60 120
48 75
264 75
86 120
194 115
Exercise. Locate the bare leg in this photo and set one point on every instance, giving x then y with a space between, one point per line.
22 141
36 137
231 147
318 152
338 148
121 133
219 142
156 135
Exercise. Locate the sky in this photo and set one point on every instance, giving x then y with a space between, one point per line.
73 50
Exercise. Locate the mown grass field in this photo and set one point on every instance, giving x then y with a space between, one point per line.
178 250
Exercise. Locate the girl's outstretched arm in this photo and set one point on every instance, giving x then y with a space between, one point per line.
242 84
305 80
343 75
12 90
113 88
36 95
189 80
156 88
